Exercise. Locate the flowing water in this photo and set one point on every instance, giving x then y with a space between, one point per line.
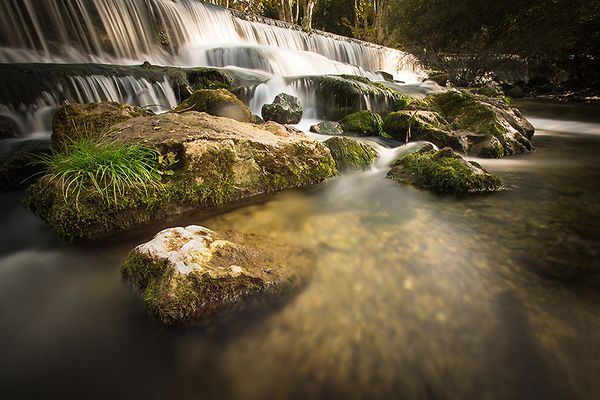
412 295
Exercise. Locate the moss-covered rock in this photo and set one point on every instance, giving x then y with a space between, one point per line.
490 126
330 128
217 102
19 163
362 123
219 160
351 155
443 171
75 121
285 109
189 274
8 128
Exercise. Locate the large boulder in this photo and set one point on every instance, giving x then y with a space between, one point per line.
362 123
76 121
351 155
489 125
190 274
443 171
285 109
212 161
217 102
8 128
330 128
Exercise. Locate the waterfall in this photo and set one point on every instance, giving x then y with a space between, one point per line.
175 32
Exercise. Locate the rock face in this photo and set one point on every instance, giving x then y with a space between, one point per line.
217 102
487 126
75 121
362 123
443 171
351 155
190 274
218 160
285 109
8 128
327 128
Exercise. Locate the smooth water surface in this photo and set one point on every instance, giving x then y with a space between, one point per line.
412 295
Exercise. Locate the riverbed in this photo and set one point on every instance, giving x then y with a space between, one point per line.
412 295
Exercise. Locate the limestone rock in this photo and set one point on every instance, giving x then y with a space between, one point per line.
285 109
217 102
190 274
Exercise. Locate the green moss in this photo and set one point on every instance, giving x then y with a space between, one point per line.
363 123
218 102
351 155
443 172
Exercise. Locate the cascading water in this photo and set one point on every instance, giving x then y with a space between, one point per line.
176 33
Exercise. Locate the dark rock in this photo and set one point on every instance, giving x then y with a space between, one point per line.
327 128
285 109
351 155
9 128
362 123
443 171
19 162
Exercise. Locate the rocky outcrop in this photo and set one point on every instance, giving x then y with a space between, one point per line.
362 123
216 161
8 128
351 155
443 171
217 102
488 125
327 128
76 121
285 109
190 274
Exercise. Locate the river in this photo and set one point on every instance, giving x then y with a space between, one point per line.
412 295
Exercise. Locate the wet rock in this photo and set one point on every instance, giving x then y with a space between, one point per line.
19 165
217 160
75 121
489 125
285 109
8 128
351 155
443 171
362 123
217 102
327 128
190 274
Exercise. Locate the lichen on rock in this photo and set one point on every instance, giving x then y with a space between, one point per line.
188 275
351 155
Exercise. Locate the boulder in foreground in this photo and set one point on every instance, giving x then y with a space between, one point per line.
285 109
190 274
443 171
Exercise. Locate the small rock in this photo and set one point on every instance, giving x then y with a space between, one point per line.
285 109
327 128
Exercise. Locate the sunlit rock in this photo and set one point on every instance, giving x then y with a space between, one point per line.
362 123
330 128
351 155
190 274
285 109
217 102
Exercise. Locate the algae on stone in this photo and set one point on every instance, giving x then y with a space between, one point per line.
350 154
443 171
363 123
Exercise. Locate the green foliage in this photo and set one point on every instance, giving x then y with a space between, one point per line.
111 169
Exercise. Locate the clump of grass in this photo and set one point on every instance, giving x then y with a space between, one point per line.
111 169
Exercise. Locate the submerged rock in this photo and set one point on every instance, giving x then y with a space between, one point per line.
8 128
285 109
488 126
190 274
362 123
443 171
216 161
351 155
327 128
76 121
217 102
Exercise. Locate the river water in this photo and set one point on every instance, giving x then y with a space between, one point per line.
412 295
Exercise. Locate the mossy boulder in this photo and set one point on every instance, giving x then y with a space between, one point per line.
362 123
443 171
19 163
490 127
76 121
330 128
351 155
217 102
8 128
419 125
187 275
219 160
285 109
